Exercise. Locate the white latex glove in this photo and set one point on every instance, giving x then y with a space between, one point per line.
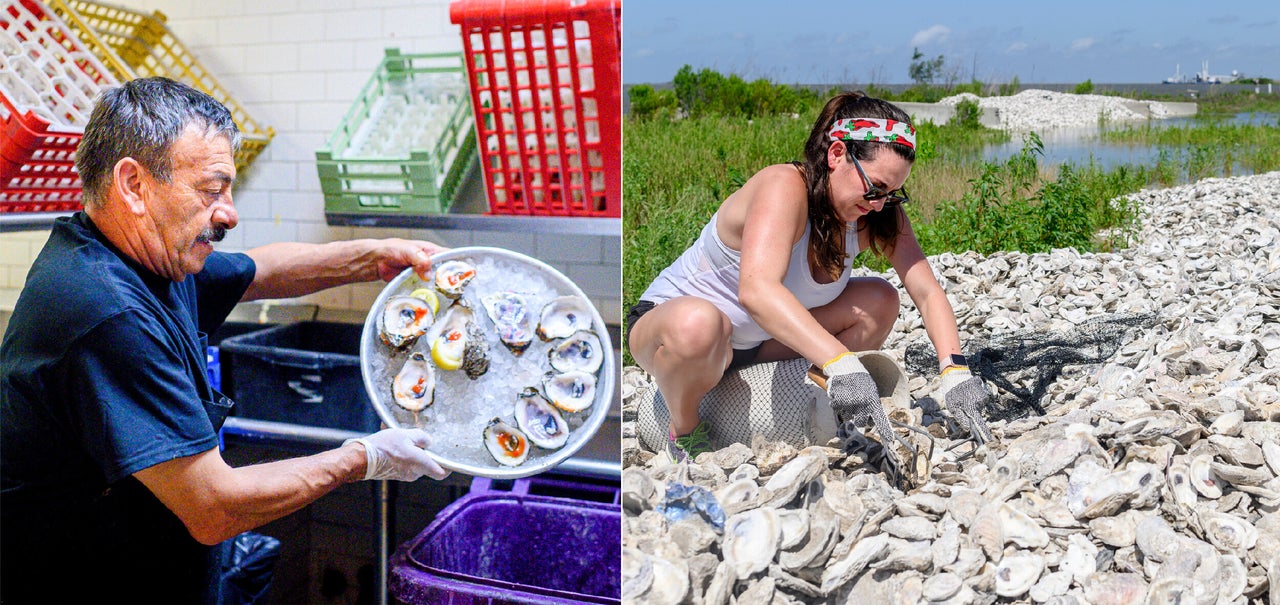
399 455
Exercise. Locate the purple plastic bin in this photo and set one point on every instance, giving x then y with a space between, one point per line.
494 547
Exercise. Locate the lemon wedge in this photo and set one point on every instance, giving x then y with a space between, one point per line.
428 296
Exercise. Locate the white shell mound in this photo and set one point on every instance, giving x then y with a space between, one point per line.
403 320
415 385
571 391
507 444
1152 477
540 420
564 316
580 352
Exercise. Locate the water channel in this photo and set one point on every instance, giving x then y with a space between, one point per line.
1080 146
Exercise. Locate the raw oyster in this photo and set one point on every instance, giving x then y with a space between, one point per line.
414 387
540 420
563 316
510 314
571 391
458 342
452 276
581 352
403 320
507 444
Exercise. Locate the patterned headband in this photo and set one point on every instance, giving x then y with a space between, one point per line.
874 129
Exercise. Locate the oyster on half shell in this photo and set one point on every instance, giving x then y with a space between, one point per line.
563 316
507 444
452 276
582 352
510 314
403 320
540 420
458 342
414 386
571 391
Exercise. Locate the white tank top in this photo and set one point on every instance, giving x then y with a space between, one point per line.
710 270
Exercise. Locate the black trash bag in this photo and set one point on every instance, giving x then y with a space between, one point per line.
247 563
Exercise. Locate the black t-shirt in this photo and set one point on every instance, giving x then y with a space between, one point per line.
102 374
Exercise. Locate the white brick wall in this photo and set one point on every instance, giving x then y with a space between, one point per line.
296 65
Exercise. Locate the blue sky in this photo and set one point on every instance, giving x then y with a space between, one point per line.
833 41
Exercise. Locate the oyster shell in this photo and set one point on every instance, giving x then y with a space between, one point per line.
458 342
571 391
540 420
507 444
452 276
581 352
563 316
414 386
510 314
403 320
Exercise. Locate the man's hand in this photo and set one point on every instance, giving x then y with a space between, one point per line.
400 455
964 395
393 255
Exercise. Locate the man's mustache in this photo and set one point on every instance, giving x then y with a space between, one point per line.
212 234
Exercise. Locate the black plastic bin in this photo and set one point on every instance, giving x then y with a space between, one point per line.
305 373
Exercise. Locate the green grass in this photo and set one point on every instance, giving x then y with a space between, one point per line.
678 171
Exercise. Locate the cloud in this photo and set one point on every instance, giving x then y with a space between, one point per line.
1016 47
937 33
1083 44
644 52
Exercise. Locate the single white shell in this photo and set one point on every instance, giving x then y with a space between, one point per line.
452 276
581 352
507 444
563 316
1203 477
510 314
571 391
403 320
1017 572
751 540
1230 534
415 385
540 420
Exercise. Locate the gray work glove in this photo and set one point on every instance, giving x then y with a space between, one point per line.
399 455
855 397
964 395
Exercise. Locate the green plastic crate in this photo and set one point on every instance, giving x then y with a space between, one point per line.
383 159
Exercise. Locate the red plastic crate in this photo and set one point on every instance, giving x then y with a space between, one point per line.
49 79
546 88
37 162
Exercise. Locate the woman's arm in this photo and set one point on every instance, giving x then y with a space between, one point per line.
285 270
774 219
925 291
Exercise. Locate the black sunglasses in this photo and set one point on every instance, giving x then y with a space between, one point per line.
891 198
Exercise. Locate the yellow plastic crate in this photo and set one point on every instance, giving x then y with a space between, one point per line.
134 44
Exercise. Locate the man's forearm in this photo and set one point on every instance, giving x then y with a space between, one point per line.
286 270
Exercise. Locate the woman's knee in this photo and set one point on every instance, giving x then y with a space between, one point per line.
884 297
697 328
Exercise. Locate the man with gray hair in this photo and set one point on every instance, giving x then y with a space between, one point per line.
113 486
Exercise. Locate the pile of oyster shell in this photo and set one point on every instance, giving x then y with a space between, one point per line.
1152 478
455 341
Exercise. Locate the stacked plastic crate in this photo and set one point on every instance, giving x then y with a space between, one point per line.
546 86
49 79
146 47
405 144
